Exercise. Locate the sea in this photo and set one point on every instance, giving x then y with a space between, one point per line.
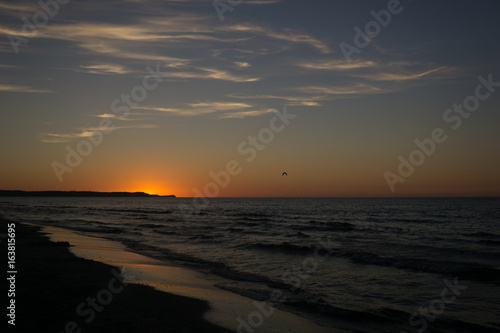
363 264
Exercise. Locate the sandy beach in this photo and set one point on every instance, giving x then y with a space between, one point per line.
73 283
59 292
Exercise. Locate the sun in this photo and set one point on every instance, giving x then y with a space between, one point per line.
151 190
154 185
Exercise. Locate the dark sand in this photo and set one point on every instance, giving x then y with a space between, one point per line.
52 283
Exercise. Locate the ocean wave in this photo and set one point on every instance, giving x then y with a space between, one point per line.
398 220
150 225
482 234
109 230
464 270
298 235
99 230
204 237
282 247
325 226
489 241
134 211
250 224
252 215
232 229
253 220
165 232
70 222
414 220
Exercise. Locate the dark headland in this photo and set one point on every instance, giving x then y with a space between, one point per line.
16 193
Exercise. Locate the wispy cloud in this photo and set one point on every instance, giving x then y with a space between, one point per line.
164 35
370 70
403 76
337 64
120 117
16 9
104 69
122 32
84 133
241 64
291 100
245 114
356 89
212 73
226 109
103 48
7 66
107 115
4 30
285 35
22 89
144 31
194 109
368 78
246 54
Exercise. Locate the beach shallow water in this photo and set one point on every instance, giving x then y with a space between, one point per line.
226 307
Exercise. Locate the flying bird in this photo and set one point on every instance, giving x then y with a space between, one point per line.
284 174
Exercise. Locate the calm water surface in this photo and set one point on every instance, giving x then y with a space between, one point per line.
376 264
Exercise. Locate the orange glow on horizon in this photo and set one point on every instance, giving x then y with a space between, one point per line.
159 188
151 189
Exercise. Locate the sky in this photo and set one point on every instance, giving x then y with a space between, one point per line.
219 98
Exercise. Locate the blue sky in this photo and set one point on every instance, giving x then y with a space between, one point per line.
222 81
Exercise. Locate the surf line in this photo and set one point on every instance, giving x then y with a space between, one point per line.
294 277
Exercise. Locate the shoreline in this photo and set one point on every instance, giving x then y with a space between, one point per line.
222 309
57 291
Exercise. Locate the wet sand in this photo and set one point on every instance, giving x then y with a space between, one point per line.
59 292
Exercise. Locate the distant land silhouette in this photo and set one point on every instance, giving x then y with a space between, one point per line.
17 193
